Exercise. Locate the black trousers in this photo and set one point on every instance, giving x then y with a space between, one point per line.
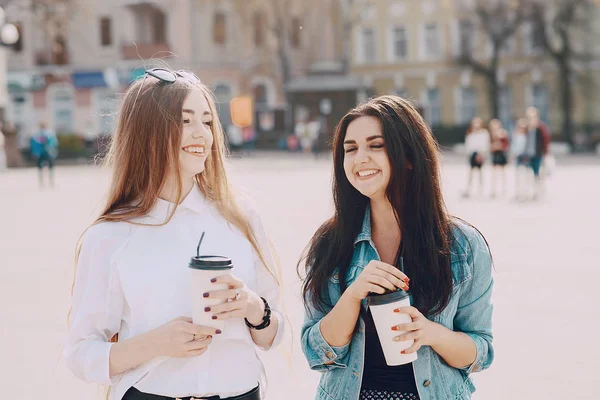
134 394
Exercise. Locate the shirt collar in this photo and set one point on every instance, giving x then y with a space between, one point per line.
194 201
365 232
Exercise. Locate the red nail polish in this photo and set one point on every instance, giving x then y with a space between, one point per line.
403 352
218 331
213 280
394 328
406 279
207 309
396 310
214 317
205 295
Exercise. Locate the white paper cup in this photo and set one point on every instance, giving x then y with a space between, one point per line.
202 270
382 309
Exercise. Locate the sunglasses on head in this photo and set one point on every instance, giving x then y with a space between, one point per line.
168 76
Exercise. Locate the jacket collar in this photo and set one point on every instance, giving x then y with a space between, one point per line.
365 232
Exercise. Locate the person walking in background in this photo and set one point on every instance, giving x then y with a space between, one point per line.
477 144
517 152
391 233
2 149
536 147
44 148
499 146
132 282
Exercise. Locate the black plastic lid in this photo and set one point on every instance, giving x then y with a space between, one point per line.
209 262
387 298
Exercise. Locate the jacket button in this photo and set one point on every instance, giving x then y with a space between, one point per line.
328 354
427 383
336 276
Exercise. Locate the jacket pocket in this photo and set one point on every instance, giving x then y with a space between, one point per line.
323 395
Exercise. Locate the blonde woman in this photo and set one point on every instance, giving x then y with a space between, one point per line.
169 186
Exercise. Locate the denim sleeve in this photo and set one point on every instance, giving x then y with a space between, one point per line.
474 313
319 354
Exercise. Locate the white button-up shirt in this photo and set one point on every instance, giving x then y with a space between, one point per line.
133 278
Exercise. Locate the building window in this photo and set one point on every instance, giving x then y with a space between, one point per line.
160 27
219 28
296 33
539 99
505 106
60 55
368 45
223 96
433 107
18 46
400 43
62 100
466 36
105 31
432 45
533 38
468 105
259 29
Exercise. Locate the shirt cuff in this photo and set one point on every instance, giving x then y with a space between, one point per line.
327 355
91 363
482 351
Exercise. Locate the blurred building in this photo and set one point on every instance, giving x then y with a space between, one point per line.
295 58
76 56
411 48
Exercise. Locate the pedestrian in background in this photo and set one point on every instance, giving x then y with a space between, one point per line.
44 148
390 216
132 282
499 146
536 147
517 151
477 144
3 163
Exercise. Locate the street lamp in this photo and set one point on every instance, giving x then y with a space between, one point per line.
9 34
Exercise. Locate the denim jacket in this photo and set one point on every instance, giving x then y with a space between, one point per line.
469 311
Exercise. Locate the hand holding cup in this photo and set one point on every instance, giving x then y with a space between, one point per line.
378 277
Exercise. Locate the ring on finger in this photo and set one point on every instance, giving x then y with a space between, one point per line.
237 295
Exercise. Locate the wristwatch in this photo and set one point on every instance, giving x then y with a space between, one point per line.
266 318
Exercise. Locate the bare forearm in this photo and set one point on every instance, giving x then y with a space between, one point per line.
456 348
262 338
338 326
131 353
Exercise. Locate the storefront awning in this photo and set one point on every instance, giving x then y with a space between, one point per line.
89 79
326 83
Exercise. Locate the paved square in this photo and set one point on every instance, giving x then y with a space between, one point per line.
546 255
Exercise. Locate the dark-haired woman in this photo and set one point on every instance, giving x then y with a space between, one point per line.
388 204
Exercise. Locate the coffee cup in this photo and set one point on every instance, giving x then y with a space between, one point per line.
202 270
382 309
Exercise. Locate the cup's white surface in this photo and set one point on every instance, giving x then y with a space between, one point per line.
201 284
384 318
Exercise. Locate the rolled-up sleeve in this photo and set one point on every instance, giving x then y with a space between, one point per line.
321 356
267 285
96 312
474 313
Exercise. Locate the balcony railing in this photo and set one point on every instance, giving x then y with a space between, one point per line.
144 51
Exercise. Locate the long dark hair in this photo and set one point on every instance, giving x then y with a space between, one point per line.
415 194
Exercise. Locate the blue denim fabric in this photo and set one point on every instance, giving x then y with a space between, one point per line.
469 311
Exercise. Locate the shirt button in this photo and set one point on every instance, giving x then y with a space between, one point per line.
427 383
328 354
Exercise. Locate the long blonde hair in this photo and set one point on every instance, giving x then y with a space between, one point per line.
146 145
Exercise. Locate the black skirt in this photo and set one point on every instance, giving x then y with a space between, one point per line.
499 158
475 160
